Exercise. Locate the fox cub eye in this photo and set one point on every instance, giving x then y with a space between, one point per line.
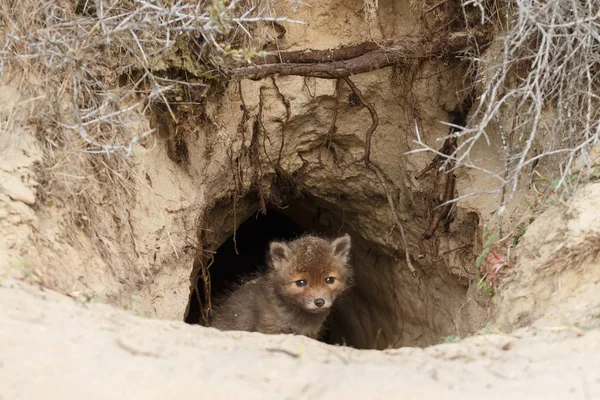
329 280
301 283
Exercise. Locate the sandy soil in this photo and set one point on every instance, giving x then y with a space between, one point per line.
55 348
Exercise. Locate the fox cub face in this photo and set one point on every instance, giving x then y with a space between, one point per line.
310 271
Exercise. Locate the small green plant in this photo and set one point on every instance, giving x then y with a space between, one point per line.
595 174
133 306
450 339
484 286
487 249
557 189
490 328
521 229
19 265
82 297
557 198
88 297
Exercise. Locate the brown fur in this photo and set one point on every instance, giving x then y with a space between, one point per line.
274 303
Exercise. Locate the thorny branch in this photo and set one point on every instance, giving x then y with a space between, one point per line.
545 79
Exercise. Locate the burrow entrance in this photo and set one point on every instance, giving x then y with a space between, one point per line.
387 307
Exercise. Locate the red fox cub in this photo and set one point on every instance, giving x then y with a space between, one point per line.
295 295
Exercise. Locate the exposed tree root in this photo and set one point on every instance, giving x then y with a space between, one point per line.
320 56
446 149
201 272
374 117
377 170
444 210
365 57
458 120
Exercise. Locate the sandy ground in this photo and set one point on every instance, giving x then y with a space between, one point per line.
53 347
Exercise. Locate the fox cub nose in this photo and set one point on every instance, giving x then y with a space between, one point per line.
319 302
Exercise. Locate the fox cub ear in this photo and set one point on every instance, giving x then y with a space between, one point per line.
341 248
280 254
